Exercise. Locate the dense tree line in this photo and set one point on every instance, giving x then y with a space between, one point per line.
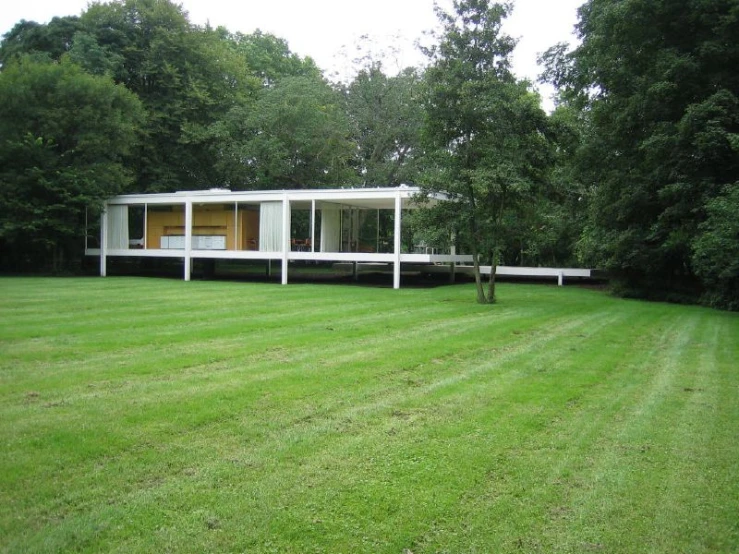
635 171
205 107
654 87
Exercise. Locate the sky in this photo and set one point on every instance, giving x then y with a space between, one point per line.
334 32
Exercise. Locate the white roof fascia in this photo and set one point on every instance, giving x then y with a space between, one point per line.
221 196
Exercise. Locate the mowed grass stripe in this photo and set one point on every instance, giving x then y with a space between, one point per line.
631 458
290 439
560 465
448 427
701 450
185 355
208 381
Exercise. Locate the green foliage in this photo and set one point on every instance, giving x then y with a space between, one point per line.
486 133
387 115
194 83
28 37
269 58
94 58
65 136
296 135
244 111
219 109
716 249
663 115
555 220
186 78
291 132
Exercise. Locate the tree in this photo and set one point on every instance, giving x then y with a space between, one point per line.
296 135
269 58
654 82
94 58
558 216
65 136
200 88
716 250
387 116
485 132
186 77
53 39
291 129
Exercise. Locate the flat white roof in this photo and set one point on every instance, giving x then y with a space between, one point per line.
371 198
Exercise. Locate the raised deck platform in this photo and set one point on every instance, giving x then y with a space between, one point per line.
558 273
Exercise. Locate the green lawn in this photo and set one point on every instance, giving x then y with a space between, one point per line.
152 415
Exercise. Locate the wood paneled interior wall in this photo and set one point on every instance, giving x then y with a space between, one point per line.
216 219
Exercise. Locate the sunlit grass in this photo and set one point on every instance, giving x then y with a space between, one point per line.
149 415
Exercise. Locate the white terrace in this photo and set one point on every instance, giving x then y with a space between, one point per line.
326 225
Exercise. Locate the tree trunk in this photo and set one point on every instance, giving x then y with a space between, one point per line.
478 280
491 282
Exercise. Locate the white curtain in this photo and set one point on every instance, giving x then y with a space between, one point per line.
270 227
330 229
117 227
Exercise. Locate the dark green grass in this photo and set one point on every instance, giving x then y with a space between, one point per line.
149 415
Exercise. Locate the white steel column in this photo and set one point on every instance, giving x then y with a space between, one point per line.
236 226
397 241
313 225
146 226
285 236
103 240
188 239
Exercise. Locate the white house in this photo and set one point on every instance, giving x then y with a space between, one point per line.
261 225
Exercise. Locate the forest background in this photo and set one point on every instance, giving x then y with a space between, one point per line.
634 172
